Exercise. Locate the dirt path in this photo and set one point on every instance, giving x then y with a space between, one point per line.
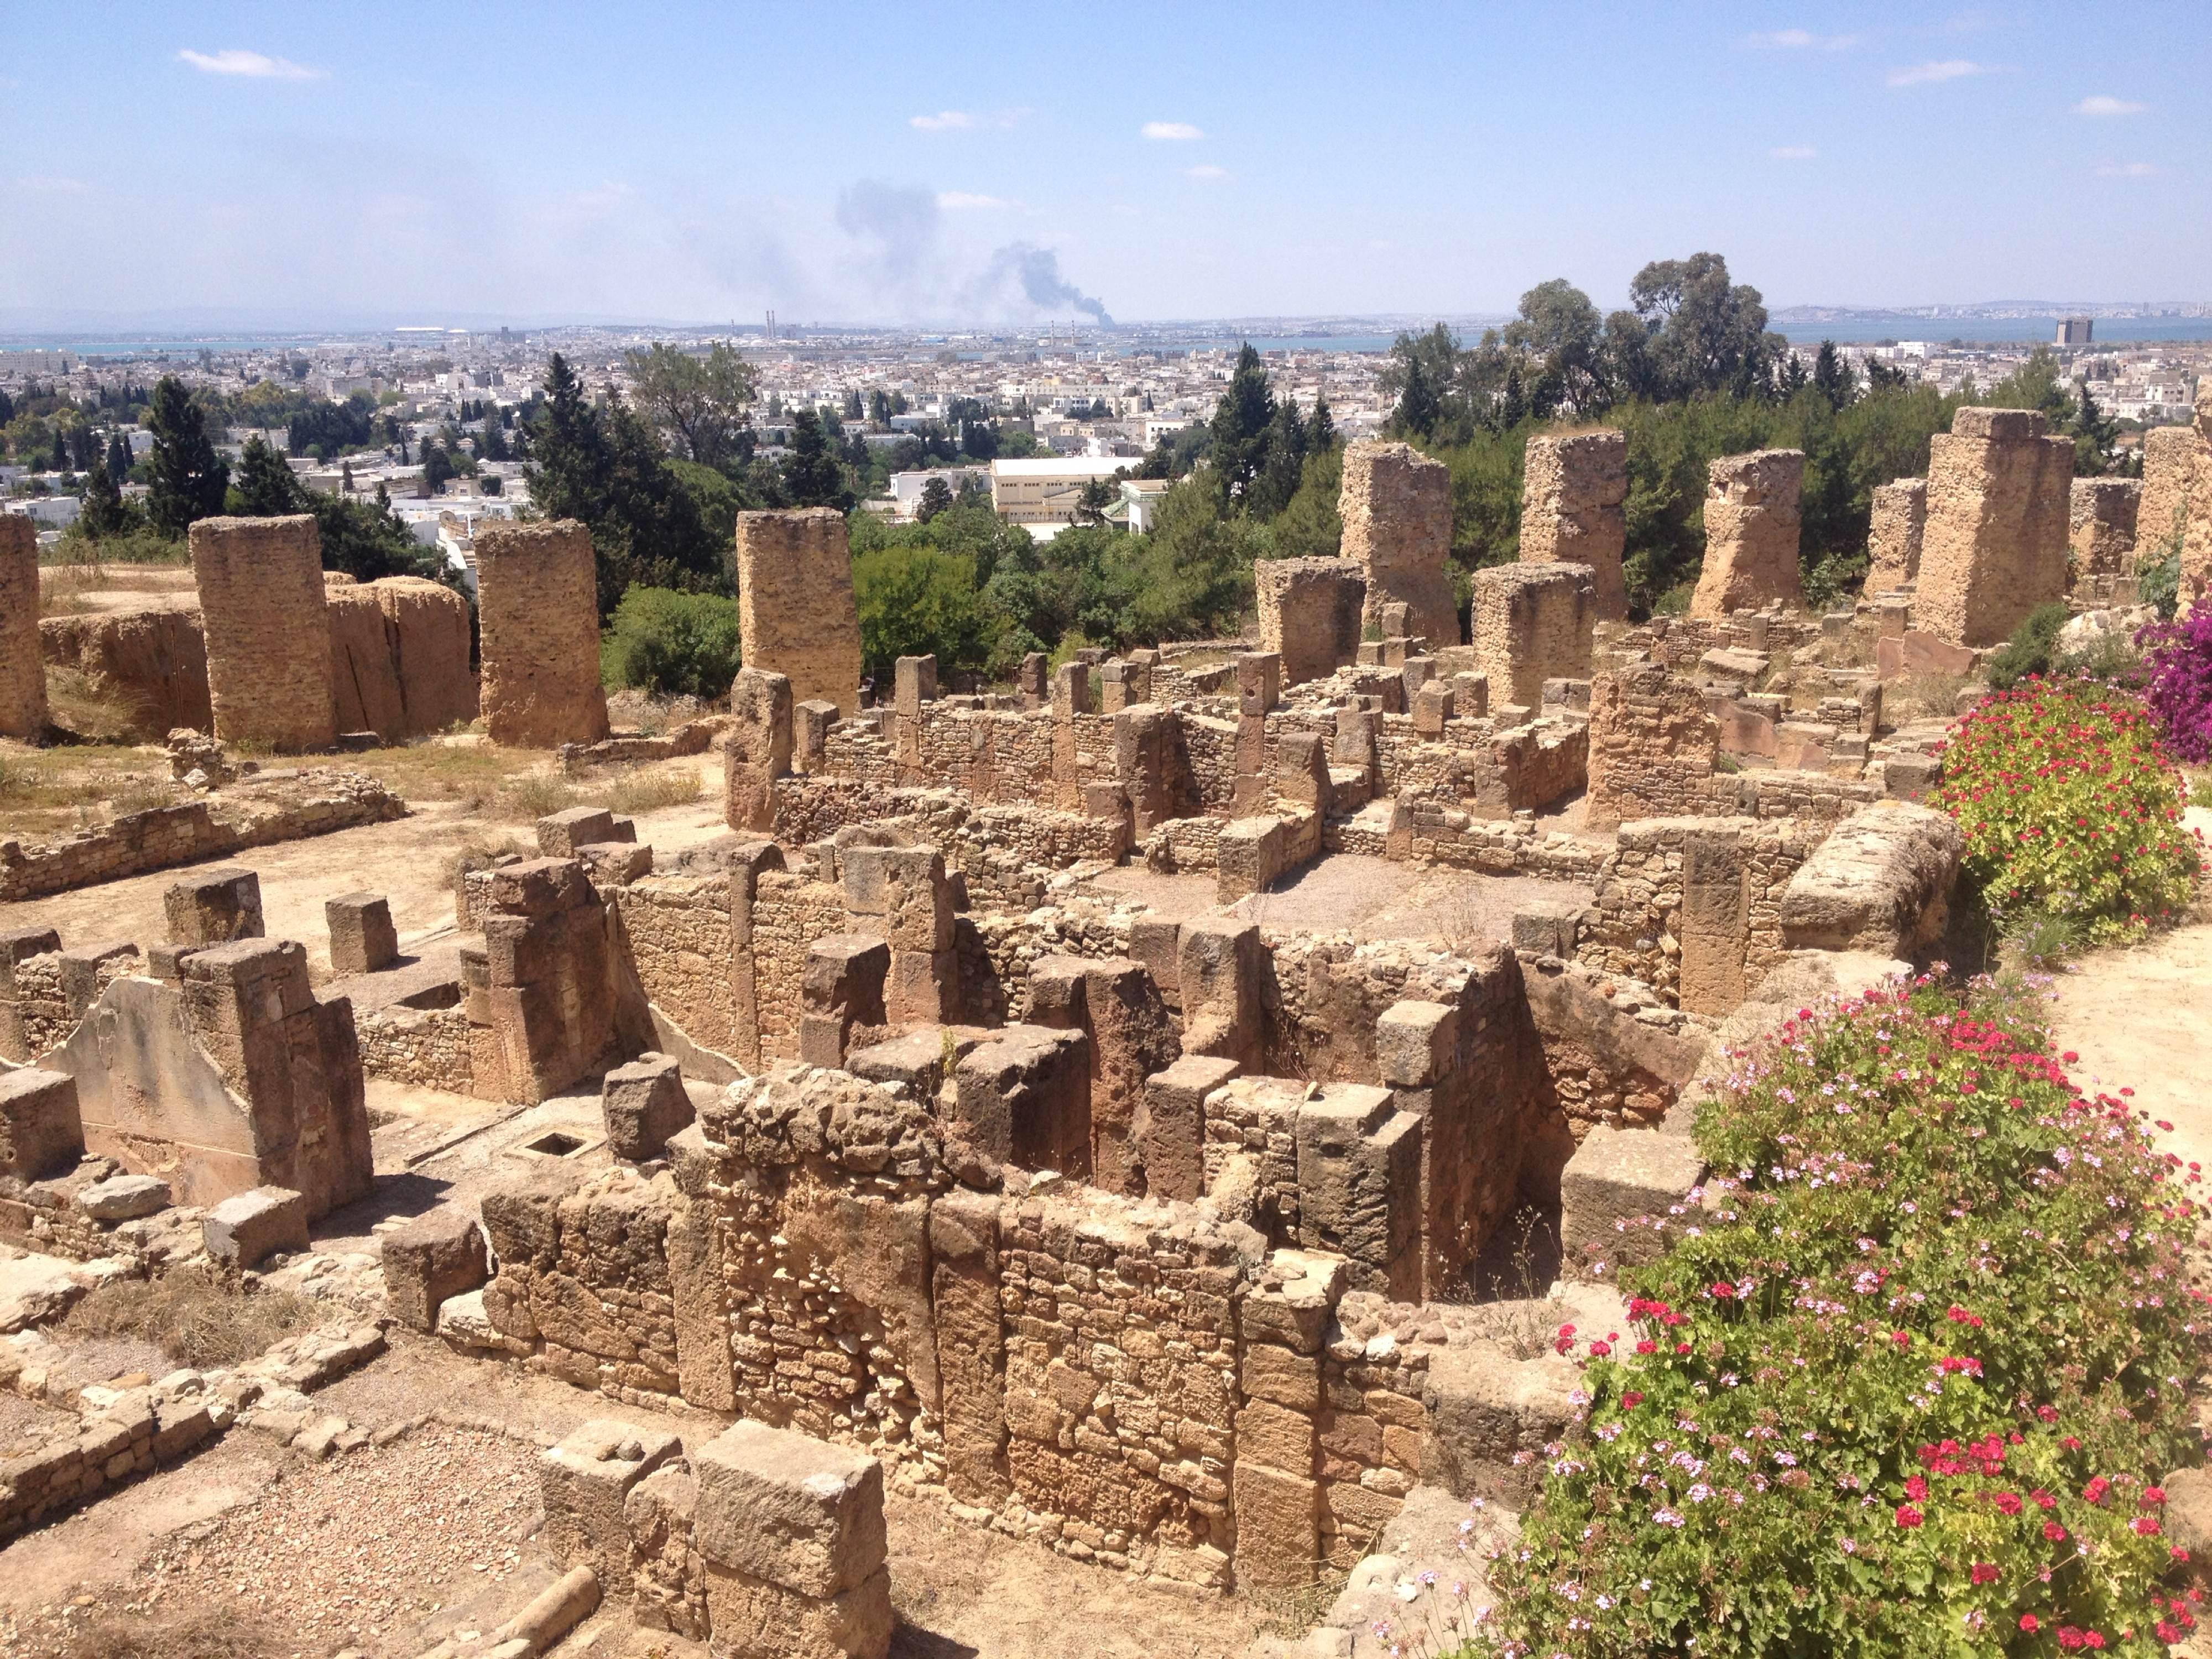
2142 1018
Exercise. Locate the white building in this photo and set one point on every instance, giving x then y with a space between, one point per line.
1044 492
907 487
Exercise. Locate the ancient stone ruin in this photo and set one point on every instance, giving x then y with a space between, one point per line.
1994 546
1901 519
260 584
1574 491
2101 535
795 609
539 610
1310 613
1751 534
23 671
1532 622
1396 506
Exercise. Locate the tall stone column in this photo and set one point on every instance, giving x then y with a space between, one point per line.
1994 547
1532 623
795 609
1893 536
1573 497
268 630
538 603
1396 505
1751 533
22 668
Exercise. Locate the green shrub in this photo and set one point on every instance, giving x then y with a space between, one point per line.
916 601
2071 809
1909 1386
2030 649
671 644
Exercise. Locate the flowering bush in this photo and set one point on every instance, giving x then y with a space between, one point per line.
2179 655
1911 1387
2071 809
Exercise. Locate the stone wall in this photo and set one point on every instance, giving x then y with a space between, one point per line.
22 664
1396 506
1532 622
2177 475
262 609
2102 533
429 1048
399 656
1994 547
2196 539
1751 534
538 607
1652 745
1310 613
795 608
1575 485
1893 537
151 663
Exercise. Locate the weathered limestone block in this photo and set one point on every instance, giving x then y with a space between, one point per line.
1994 546
1893 537
902 894
1309 614
1573 496
563 835
1259 681
666 1571
795 611
1490 1413
550 992
1653 744
796 1513
964 1248
1278 1525
1752 520
2101 517
426 630
1396 506
1432 709
2176 487
41 1131
538 607
1618 1176
362 938
1301 762
1532 622
213 907
260 584
433 1257
244 1231
847 975
1881 882
23 663
1220 963
1170 1126
1024 1098
752 1618
643 1103
1114 1002
584 1482
756 750
1359 1172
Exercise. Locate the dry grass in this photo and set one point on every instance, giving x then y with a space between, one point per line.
200 1633
1927 696
193 1316
52 792
648 792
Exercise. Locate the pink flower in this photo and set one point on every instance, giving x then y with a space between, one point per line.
1907 1516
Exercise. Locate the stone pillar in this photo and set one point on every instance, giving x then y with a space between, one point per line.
1170 1127
1115 1003
1219 963
538 606
2102 528
1417 1047
41 1133
1283 1323
1396 506
1532 623
1031 679
214 906
791 1532
1302 769
1901 517
1994 547
1573 495
1359 1176
1715 921
913 683
756 750
2177 475
901 896
363 938
972 1350
551 994
1145 764
268 631
846 974
642 1104
1023 1098
1309 614
1751 533
795 610
22 667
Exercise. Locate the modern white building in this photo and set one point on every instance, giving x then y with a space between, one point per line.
907 487
1044 492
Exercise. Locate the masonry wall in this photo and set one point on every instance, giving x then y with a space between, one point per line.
1575 486
1652 745
1310 612
1752 522
22 665
151 663
537 610
399 656
1396 507
2101 527
262 609
1532 622
795 608
2177 471
1994 547
1893 536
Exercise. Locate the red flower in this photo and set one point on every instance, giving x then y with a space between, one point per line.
1985 1572
2053 1531
2007 1503
2030 1623
1647 1346
1628 1402
2145 1527
1915 1489
2042 1499
1600 1350
2098 1486
2154 1494
1907 1516
1903 1338
1721 1290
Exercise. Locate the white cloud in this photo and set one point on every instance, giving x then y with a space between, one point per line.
946 120
254 65
2102 104
1173 130
1921 74
1207 170
53 186
955 200
2126 170
1798 40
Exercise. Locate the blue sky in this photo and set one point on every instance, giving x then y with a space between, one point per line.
990 162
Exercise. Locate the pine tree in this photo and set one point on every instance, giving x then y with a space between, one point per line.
1418 409
118 457
1320 430
812 476
189 478
266 487
103 513
936 496
1240 427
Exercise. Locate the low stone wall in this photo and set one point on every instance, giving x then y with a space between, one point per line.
276 808
107 1448
429 1048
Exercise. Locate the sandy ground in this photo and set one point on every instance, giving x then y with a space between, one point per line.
2142 1018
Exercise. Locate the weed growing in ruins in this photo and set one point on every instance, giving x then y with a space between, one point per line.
207 1633
648 792
2178 655
193 1316
532 798
1913 1387
2071 809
